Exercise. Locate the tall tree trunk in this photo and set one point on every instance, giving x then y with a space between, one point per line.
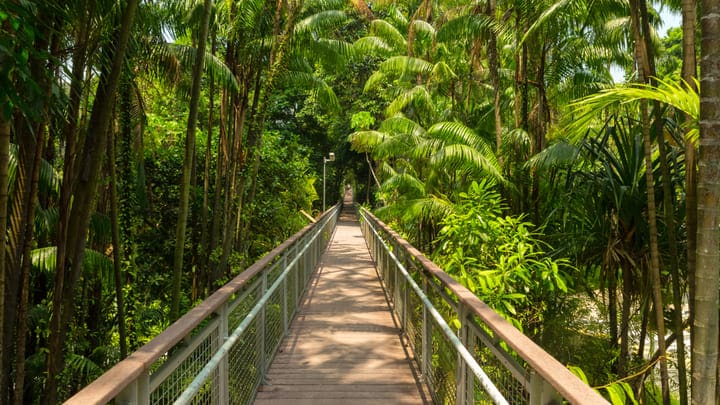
689 74
21 338
187 163
4 163
669 215
277 64
222 169
705 323
204 239
83 198
655 255
115 225
31 151
643 57
495 73
624 357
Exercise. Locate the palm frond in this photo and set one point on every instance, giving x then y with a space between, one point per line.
82 366
44 259
319 87
13 165
468 26
559 154
405 183
46 222
330 52
584 111
419 97
316 6
169 60
321 21
389 33
401 124
99 231
423 28
431 209
452 132
372 45
50 179
366 141
550 14
467 159
374 81
403 65
441 73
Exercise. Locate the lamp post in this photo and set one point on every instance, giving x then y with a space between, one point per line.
330 158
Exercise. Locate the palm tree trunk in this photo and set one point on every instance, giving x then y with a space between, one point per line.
4 163
84 191
117 243
204 239
689 74
495 74
624 331
188 163
638 11
705 324
689 25
655 255
31 201
31 155
669 216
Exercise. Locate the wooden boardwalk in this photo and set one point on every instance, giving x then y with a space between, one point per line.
343 346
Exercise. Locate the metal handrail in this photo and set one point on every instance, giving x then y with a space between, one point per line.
258 316
521 371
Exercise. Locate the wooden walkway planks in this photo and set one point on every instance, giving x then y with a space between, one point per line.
343 346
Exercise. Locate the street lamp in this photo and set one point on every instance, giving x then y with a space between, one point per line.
330 158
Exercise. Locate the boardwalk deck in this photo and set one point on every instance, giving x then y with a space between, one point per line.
343 347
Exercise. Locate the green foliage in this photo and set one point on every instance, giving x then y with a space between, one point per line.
285 186
499 258
669 65
94 263
620 392
362 120
678 95
19 29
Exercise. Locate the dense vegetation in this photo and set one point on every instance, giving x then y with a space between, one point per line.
151 150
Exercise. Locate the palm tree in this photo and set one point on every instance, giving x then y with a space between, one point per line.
188 161
70 252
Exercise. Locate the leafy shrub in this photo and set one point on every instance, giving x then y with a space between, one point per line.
500 258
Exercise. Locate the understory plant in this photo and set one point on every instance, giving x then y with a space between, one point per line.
501 259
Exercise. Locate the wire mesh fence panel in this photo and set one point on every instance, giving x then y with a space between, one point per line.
273 323
244 366
184 372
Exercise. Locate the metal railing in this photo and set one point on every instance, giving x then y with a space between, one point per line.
481 358
219 352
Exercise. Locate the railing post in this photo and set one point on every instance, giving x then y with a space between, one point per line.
426 365
223 369
298 272
137 393
405 304
542 393
284 296
260 328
